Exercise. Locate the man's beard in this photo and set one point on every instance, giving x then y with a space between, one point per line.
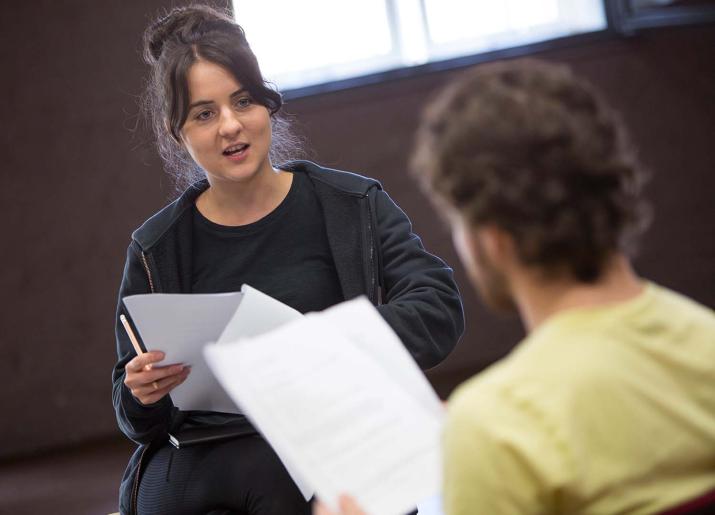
492 284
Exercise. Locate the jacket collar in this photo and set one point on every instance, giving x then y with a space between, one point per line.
151 231
348 183
345 182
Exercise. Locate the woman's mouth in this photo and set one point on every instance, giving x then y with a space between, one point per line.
236 152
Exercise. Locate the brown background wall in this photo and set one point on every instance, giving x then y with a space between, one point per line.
77 180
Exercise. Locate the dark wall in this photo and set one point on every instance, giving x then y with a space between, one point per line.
78 179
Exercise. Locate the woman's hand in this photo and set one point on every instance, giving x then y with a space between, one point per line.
149 383
347 506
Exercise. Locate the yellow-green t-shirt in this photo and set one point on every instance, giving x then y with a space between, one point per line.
599 410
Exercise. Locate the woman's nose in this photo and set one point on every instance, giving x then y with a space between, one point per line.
230 124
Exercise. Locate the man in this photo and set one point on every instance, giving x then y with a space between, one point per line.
608 405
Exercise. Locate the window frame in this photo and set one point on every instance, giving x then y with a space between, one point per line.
407 72
626 19
621 20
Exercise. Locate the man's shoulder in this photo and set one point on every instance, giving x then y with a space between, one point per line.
537 380
680 307
483 393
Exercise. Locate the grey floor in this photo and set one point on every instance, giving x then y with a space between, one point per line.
78 481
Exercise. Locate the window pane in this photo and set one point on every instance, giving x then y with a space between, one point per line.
453 20
461 27
304 42
292 37
525 14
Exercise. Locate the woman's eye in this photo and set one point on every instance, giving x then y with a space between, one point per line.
203 115
244 102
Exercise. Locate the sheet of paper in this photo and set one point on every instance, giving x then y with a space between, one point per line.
431 506
335 414
364 326
181 324
178 324
259 313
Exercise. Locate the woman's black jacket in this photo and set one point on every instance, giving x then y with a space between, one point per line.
375 253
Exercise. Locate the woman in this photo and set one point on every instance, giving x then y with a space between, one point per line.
309 236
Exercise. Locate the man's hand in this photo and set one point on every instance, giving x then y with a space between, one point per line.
347 505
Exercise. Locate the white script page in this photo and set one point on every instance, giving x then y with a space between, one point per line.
335 413
257 314
181 324
364 326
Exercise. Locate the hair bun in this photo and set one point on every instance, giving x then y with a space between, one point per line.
177 24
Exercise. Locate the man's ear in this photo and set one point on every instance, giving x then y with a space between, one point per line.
496 243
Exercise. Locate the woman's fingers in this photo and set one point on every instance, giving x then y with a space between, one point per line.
144 361
159 373
158 389
147 377
169 380
148 382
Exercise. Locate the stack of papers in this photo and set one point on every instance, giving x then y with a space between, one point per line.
335 393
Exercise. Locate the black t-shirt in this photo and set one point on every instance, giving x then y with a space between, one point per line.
285 255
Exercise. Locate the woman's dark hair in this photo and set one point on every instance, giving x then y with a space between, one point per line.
527 146
172 44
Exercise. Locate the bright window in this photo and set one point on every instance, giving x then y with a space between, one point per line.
306 42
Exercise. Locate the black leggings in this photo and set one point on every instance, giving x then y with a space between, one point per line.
242 476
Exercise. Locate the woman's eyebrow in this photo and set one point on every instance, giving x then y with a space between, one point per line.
206 102
199 103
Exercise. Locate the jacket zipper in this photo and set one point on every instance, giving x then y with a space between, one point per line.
135 488
148 272
371 256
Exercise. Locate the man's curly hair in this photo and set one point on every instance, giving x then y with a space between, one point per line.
527 146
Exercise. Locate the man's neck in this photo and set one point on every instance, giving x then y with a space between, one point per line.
539 299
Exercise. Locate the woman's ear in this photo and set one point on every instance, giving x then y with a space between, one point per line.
167 127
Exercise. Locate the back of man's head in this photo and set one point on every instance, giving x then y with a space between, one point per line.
528 147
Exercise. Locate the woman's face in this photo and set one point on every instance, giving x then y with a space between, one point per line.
225 132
